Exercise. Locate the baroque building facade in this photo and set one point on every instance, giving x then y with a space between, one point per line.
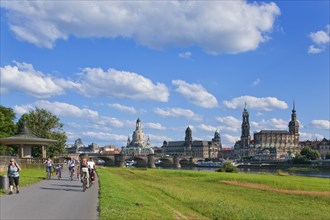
269 144
193 148
137 146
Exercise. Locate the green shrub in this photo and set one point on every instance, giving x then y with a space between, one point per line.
228 167
300 159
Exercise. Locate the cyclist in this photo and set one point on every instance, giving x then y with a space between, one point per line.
49 165
58 169
84 171
71 163
91 169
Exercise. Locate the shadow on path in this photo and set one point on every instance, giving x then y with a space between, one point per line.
62 189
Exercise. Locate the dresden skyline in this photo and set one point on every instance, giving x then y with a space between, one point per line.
101 65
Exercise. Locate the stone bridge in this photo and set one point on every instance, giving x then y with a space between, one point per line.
118 160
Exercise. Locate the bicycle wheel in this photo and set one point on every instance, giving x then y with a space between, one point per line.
84 183
48 174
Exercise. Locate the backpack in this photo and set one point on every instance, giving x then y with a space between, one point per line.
18 169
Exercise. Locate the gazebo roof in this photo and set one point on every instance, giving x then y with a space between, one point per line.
27 138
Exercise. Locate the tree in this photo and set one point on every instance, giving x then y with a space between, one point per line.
327 156
44 124
310 153
7 127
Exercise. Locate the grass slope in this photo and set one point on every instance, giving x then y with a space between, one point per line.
175 194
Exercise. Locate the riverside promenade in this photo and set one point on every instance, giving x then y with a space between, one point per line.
52 199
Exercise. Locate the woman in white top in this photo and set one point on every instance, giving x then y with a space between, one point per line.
13 175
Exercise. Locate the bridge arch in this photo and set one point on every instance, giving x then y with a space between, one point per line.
140 162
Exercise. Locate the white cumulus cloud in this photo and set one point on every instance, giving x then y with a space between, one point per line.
266 104
185 55
105 136
58 108
271 124
23 77
229 123
205 127
228 140
256 82
320 124
121 84
178 113
123 108
309 136
215 26
320 39
196 94
156 126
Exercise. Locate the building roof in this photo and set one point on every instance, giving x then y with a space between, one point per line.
25 137
272 132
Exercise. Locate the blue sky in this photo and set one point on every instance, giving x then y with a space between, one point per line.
100 65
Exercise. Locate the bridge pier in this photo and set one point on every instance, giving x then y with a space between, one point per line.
191 162
120 160
151 161
176 162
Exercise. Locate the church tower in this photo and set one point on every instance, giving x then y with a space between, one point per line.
138 138
245 137
217 140
188 141
294 125
188 138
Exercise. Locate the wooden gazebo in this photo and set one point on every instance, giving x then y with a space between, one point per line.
24 140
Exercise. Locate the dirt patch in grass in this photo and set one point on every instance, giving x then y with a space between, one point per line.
269 188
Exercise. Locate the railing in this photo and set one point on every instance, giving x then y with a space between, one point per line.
22 162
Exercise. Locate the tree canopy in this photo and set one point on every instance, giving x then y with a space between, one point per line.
44 124
309 153
7 127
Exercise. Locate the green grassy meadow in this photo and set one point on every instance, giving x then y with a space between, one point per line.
176 194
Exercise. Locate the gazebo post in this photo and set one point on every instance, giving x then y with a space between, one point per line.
21 151
43 149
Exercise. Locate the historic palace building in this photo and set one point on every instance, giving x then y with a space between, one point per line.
268 144
193 148
137 146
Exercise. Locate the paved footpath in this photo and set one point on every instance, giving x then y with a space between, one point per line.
52 199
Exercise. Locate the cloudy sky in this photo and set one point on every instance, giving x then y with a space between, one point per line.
100 65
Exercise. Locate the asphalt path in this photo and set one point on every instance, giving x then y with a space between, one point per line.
52 199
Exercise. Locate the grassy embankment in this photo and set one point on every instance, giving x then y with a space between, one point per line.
175 194
28 175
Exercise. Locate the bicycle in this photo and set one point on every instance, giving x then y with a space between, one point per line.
71 173
84 178
49 172
58 172
91 177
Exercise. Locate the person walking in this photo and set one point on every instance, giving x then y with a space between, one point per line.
49 165
13 175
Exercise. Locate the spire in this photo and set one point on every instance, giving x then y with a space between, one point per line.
245 109
138 124
294 107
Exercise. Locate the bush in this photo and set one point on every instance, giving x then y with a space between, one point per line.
327 156
228 167
300 159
